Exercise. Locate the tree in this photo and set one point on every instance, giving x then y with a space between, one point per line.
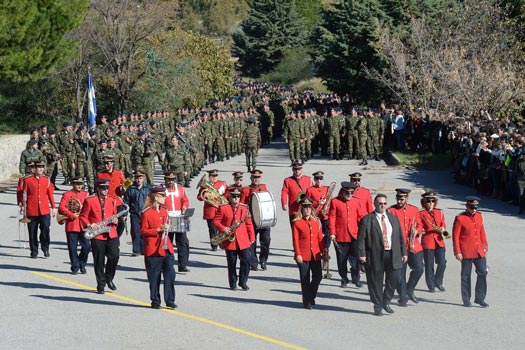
463 60
272 26
34 36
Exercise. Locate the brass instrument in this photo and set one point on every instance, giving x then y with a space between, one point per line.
23 210
326 199
127 182
210 193
101 227
326 264
300 196
444 233
412 236
229 234
74 205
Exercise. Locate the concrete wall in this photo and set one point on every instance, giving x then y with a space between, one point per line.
11 146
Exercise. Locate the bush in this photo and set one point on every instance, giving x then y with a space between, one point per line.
293 67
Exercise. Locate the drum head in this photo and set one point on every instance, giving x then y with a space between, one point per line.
263 209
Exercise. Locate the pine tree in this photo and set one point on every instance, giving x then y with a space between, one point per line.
272 26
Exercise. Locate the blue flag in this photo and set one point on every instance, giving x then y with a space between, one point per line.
92 103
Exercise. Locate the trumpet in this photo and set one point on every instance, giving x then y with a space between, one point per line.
23 210
127 182
444 233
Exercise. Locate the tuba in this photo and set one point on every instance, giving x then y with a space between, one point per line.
210 194
73 205
101 227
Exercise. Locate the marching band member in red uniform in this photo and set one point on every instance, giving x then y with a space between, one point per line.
471 246
96 209
227 216
210 210
292 187
158 249
317 193
263 232
309 248
345 214
432 241
40 201
237 183
364 195
408 216
176 203
74 233
116 180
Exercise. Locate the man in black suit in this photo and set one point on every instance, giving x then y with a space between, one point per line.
382 249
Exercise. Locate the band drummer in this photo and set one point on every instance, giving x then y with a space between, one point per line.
176 203
236 214
158 253
70 206
105 247
263 232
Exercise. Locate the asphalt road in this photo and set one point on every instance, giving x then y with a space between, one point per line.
44 306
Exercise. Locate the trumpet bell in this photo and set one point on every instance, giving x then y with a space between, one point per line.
24 220
61 219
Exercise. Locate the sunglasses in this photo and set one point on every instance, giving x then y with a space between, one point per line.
430 200
106 163
235 196
401 197
355 180
382 203
318 178
103 187
473 206
38 166
160 195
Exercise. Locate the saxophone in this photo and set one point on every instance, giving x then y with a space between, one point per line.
229 234
102 227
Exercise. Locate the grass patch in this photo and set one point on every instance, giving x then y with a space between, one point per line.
427 160
314 83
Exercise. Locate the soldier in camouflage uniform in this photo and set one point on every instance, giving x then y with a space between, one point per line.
119 161
334 133
362 137
66 144
143 156
52 156
351 133
31 153
124 142
178 159
292 136
251 140
101 152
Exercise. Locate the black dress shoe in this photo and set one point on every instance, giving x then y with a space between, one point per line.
74 272
83 270
111 285
233 288
482 303
214 248
254 268
245 287
378 312
155 306
467 304
183 269
100 290
308 306
413 297
441 288
344 284
34 256
263 266
402 303
358 284
171 306
388 309
46 253
432 290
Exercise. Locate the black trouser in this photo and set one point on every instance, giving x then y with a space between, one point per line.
434 279
105 270
325 225
348 252
136 238
155 267
244 271
183 247
264 251
42 222
212 231
415 261
78 260
374 279
481 282
310 285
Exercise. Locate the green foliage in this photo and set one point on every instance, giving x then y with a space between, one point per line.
293 67
271 28
310 10
313 83
34 36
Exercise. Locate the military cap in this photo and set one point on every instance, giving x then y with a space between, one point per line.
356 175
152 122
472 200
109 158
158 189
30 163
80 128
429 194
110 129
103 116
237 174
77 180
402 191
52 132
213 172
64 124
111 139
138 173
90 132
122 125
251 120
170 174
43 126
142 132
33 142
297 165
256 173
306 202
348 186
235 192
39 162
78 119
318 174
102 140
102 182
110 119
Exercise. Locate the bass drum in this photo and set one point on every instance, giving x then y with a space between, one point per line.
263 210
